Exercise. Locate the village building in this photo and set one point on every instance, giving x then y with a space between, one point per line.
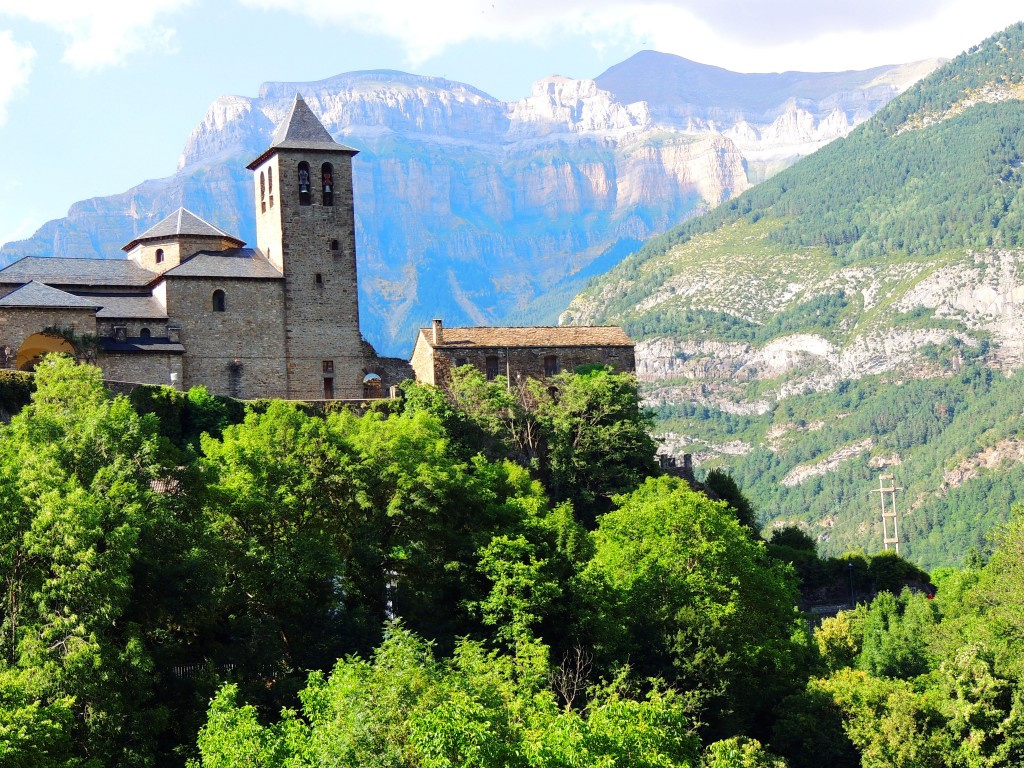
534 352
192 305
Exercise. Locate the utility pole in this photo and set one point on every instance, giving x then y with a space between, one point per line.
887 493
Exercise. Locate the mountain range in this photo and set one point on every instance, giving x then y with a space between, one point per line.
859 314
481 211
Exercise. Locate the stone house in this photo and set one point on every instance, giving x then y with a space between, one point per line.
535 352
192 305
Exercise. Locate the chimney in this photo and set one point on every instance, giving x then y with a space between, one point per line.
438 333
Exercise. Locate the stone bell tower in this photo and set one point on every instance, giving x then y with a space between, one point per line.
305 226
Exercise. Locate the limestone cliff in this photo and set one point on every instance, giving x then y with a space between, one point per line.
481 211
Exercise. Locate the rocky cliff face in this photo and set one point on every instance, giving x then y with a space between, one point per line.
480 211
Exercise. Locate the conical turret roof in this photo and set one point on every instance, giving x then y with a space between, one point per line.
301 130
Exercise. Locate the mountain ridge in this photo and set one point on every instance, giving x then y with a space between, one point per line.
468 208
889 264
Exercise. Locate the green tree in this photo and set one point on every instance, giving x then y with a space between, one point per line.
405 708
598 438
84 533
679 588
282 504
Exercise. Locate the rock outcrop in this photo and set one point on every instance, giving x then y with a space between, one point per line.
481 211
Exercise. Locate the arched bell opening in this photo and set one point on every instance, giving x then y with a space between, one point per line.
327 183
305 190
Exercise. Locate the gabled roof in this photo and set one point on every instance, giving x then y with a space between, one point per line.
301 130
237 262
130 307
181 223
83 272
40 295
535 336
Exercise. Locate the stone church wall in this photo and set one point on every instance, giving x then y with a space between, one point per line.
238 352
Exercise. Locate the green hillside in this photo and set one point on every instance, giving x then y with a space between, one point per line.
856 313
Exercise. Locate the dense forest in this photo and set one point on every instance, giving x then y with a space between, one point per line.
479 575
876 248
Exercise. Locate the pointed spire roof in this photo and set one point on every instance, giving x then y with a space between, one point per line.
182 223
301 130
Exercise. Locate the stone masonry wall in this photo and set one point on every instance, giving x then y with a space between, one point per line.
141 368
175 250
325 350
157 327
422 361
249 331
19 323
529 361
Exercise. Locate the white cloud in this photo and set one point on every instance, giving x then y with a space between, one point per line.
15 66
751 35
100 32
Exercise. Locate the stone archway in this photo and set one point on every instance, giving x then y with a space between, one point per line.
37 345
372 386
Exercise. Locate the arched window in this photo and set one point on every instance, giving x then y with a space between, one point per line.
270 185
263 192
305 189
218 301
159 255
145 333
327 179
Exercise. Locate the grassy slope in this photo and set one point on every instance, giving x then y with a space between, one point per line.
833 246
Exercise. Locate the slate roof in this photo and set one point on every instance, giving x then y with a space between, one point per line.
536 336
133 307
141 345
237 262
39 295
62 271
301 130
181 223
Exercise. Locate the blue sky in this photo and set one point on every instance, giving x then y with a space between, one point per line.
98 96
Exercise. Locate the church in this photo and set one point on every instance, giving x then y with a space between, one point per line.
191 305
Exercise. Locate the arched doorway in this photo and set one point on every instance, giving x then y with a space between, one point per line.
371 386
37 345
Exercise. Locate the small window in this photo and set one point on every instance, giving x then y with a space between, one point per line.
304 184
319 279
492 367
159 255
145 333
270 185
328 366
235 378
334 245
219 303
460 361
550 365
327 179
120 333
263 192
